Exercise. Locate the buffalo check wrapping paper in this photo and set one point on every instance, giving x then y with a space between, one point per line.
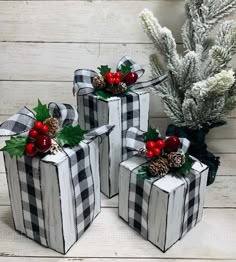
29 173
140 190
128 110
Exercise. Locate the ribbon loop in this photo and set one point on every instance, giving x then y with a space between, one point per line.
65 113
135 140
99 131
19 123
125 60
24 119
83 81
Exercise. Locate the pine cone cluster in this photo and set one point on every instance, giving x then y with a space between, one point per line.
118 89
53 125
176 159
99 83
159 167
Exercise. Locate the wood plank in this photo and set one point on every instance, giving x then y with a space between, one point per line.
57 61
47 259
110 237
220 194
72 20
27 93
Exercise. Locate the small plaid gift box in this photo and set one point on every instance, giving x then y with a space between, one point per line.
55 198
128 110
161 209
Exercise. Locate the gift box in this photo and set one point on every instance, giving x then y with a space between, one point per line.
130 109
164 208
55 198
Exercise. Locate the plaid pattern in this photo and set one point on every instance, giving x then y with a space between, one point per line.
65 113
140 190
83 79
192 200
125 60
139 194
21 122
82 181
130 117
24 119
29 176
90 111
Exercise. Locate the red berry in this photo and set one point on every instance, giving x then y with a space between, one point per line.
172 144
44 129
43 143
157 151
38 125
150 154
150 145
160 144
33 133
118 75
109 75
30 150
131 78
117 80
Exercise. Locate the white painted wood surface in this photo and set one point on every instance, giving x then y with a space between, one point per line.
41 44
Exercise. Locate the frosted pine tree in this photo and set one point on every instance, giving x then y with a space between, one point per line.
201 87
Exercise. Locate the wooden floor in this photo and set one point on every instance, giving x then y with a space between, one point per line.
41 44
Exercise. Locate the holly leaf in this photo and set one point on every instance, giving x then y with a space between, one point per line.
143 173
125 69
151 134
103 95
70 135
15 146
185 168
103 69
42 112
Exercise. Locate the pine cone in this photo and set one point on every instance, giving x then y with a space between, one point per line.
118 89
55 148
99 83
53 125
176 159
159 167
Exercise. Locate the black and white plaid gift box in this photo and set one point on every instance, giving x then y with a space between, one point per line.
162 209
129 110
55 198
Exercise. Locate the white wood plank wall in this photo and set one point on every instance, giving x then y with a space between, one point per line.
41 44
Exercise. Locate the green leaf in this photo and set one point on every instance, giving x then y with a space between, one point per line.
125 69
103 69
143 173
185 168
42 112
15 146
103 95
151 134
70 135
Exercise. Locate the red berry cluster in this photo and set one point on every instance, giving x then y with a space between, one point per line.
40 141
171 144
116 78
113 78
154 148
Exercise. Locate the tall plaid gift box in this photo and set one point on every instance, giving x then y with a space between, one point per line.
54 198
124 111
162 209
